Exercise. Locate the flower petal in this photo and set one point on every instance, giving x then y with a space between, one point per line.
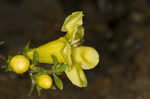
86 56
72 21
73 27
76 76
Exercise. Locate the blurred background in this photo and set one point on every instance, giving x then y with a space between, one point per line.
118 29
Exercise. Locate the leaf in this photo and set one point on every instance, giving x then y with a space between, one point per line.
53 87
35 58
61 68
37 69
55 61
56 64
9 59
26 49
32 84
38 90
50 71
6 67
58 82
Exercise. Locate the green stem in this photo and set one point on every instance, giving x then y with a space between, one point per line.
38 91
32 84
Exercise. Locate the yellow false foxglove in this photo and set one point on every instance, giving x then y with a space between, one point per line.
67 51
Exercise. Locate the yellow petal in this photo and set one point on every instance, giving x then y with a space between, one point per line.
59 48
87 57
73 27
72 21
76 76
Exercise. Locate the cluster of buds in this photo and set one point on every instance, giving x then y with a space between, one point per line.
66 51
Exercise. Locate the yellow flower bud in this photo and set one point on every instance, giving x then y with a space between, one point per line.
87 57
19 64
59 48
44 81
76 76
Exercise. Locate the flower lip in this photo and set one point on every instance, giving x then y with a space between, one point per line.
87 57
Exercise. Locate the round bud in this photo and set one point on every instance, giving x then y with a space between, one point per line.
44 81
19 64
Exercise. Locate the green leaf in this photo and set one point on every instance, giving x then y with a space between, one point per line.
56 64
38 90
35 58
26 49
58 82
6 67
54 60
53 87
54 68
61 68
9 59
37 69
32 83
50 71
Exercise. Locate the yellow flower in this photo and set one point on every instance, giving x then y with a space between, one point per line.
67 51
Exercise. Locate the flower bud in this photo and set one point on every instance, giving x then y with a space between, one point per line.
44 81
19 64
